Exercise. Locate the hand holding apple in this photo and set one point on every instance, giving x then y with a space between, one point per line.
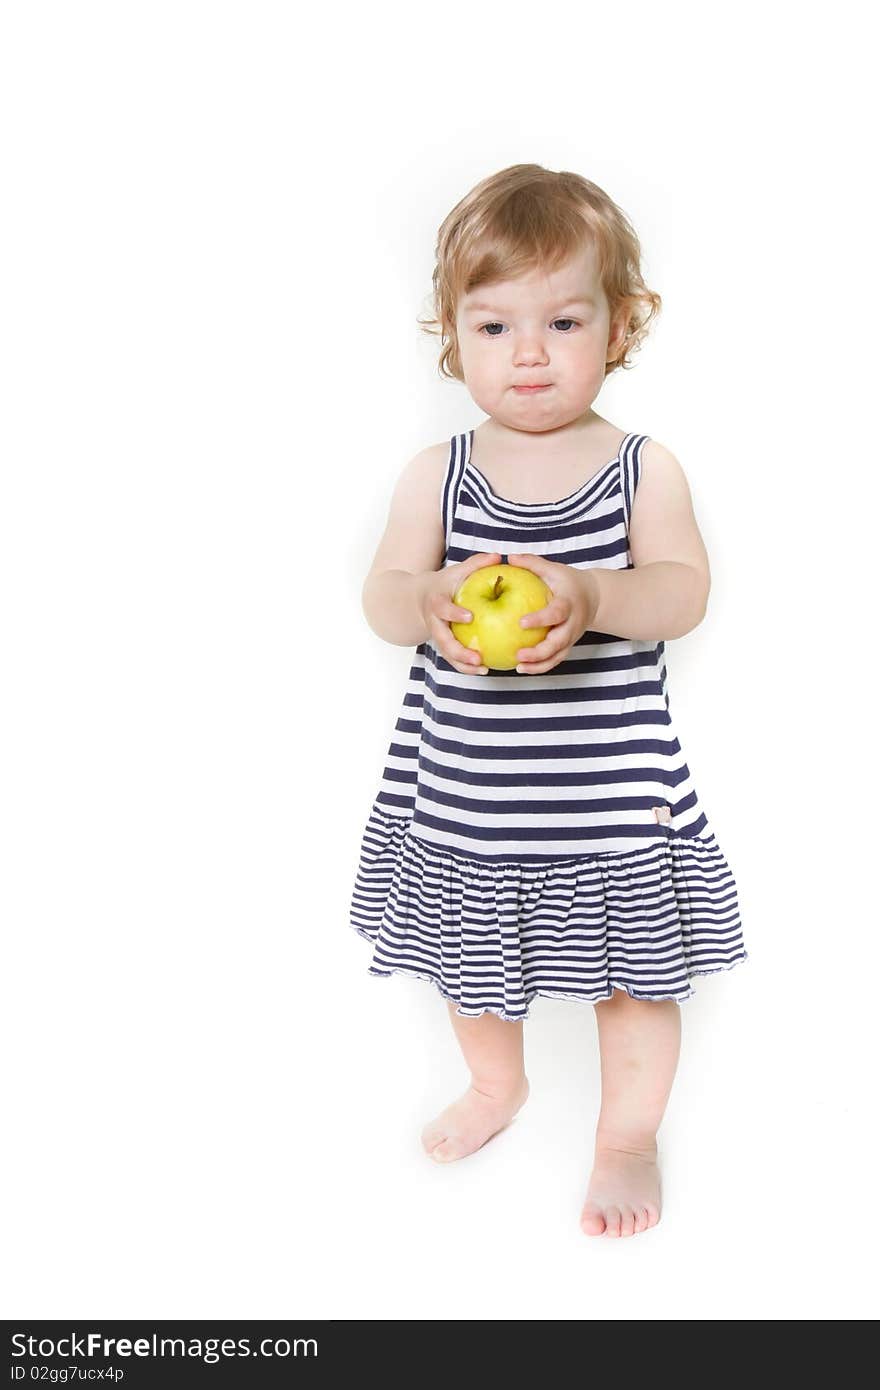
438 608
571 613
499 596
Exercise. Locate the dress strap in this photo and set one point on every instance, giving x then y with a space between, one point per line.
630 471
459 450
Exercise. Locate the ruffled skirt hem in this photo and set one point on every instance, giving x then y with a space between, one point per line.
580 998
493 937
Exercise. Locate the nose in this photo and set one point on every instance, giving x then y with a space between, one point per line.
529 349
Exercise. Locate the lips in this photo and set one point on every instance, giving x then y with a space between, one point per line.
532 385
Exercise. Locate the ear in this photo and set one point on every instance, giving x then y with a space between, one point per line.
617 334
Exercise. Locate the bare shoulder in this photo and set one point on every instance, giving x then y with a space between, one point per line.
414 537
434 458
425 468
656 456
418 486
440 451
663 525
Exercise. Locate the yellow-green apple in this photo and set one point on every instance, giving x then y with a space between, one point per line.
498 596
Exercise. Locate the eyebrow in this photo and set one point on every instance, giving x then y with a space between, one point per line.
482 306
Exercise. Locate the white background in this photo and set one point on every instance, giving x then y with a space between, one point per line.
218 232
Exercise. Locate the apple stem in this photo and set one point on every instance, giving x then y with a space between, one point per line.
497 587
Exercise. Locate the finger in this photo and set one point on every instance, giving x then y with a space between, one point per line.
551 646
541 617
526 667
456 648
452 612
554 612
444 606
468 656
479 561
468 663
536 563
465 656
443 637
464 659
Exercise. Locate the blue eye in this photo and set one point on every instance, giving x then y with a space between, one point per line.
501 325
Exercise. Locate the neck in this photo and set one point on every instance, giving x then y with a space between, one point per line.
563 435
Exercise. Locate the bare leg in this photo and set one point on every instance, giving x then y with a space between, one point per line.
639 1044
493 1050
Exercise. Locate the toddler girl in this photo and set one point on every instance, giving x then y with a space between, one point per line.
537 831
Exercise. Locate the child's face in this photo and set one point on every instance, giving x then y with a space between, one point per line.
538 329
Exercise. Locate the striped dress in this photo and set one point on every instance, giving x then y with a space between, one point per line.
540 835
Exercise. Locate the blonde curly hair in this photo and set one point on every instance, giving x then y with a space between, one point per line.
527 218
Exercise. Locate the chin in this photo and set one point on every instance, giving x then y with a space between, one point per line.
534 417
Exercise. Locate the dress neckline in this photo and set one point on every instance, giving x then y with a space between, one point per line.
509 502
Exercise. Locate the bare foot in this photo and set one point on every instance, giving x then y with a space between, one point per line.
468 1122
624 1193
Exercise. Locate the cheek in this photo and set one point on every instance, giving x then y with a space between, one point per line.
484 369
586 357
585 347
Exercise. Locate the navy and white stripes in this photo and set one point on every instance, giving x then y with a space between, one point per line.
542 834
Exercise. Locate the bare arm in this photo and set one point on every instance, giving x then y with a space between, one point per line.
392 602
652 602
410 552
666 594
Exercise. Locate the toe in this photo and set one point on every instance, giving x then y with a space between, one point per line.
641 1219
430 1139
612 1221
653 1215
446 1150
592 1219
627 1222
